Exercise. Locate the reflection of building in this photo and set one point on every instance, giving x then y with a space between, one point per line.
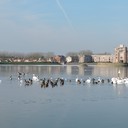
110 71
77 70
81 70
121 54
69 69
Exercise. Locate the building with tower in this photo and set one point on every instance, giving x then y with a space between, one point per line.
121 54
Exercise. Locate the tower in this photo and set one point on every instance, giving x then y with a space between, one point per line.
121 54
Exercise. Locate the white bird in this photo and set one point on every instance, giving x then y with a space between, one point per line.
120 81
126 81
77 79
35 78
114 80
21 81
88 80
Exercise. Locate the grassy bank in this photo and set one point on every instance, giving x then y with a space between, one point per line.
108 64
55 63
29 63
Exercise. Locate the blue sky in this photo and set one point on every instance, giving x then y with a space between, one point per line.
63 26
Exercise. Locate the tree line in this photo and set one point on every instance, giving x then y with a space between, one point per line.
35 55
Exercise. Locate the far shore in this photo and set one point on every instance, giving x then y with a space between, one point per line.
29 63
108 64
112 64
55 63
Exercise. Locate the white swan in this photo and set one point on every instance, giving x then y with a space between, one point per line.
88 80
120 81
126 81
77 79
35 78
114 80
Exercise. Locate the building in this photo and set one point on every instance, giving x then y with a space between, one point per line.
103 58
60 59
85 59
121 54
72 59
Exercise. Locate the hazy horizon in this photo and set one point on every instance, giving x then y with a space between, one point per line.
62 26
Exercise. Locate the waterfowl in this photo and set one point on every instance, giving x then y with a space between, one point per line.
35 78
88 80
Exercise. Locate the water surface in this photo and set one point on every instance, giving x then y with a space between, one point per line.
68 106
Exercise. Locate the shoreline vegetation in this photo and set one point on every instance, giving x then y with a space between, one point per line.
114 64
29 63
108 64
56 63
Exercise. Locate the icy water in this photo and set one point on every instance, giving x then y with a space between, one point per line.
68 106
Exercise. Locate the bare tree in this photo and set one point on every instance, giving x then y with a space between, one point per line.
85 52
72 54
49 54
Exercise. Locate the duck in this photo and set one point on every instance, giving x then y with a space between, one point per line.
99 80
78 81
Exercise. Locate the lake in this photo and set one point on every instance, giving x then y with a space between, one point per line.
72 105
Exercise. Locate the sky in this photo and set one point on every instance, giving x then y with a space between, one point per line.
62 26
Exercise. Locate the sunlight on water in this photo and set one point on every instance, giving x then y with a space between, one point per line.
71 105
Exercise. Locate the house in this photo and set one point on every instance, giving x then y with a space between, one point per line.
85 59
60 59
72 59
